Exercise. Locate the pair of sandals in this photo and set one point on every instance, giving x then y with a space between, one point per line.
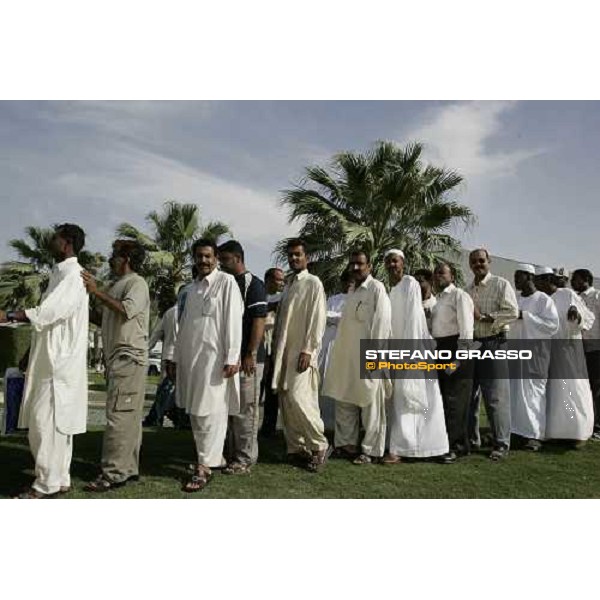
32 494
102 484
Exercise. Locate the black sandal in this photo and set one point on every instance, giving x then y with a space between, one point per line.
196 482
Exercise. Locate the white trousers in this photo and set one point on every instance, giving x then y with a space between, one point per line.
209 436
51 449
347 421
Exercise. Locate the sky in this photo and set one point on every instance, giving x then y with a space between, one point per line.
530 168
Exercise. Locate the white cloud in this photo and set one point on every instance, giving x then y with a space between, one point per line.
458 136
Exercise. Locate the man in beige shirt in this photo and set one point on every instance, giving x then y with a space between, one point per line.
299 328
125 322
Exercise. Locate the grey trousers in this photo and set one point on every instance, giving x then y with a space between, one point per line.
490 377
242 431
124 406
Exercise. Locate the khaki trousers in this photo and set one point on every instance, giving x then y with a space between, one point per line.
347 422
242 432
51 449
124 405
302 424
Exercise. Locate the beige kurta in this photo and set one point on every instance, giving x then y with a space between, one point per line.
299 327
366 315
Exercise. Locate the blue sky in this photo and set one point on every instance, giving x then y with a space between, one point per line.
530 168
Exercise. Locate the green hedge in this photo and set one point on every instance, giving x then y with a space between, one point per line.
14 342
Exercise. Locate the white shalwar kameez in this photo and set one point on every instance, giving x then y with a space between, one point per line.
416 415
56 395
570 410
209 337
335 306
366 315
528 392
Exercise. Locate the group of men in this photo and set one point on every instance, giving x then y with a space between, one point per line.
229 334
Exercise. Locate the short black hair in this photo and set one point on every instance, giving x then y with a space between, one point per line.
294 243
132 250
441 264
479 250
73 234
269 273
585 274
204 243
357 251
233 247
426 274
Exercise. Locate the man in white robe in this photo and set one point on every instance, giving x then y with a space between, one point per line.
366 316
299 328
538 321
335 306
416 416
55 402
207 353
570 409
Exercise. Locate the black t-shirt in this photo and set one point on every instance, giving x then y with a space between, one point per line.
255 305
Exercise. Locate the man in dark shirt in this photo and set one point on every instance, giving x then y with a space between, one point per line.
242 445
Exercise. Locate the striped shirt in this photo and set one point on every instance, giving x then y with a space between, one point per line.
493 296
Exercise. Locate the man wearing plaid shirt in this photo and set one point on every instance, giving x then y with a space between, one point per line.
495 307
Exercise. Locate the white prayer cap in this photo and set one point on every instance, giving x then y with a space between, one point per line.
544 271
394 251
525 268
562 272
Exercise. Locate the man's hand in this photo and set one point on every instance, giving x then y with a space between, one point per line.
249 364
89 282
573 314
476 313
3 318
230 371
303 362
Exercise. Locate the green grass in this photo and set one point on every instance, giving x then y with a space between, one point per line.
556 472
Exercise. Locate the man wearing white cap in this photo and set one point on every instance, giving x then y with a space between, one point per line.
570 411
538 321
416 416
495 307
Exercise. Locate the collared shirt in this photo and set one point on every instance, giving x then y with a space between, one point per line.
493 296
453 314
591 338
127 333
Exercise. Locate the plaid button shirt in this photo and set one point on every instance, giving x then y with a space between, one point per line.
493 296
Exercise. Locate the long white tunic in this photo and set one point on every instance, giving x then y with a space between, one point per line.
209 337
59 344
417 425
367 316
166 331
570 410
335 306
528 391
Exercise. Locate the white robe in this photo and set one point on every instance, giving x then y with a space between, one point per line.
335 307
366 315
528 392
416 416
209 337
570 410
166 331
59 345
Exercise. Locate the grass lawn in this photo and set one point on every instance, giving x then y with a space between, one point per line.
556 472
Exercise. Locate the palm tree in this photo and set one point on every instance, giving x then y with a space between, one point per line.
169 245
23 281
382 199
